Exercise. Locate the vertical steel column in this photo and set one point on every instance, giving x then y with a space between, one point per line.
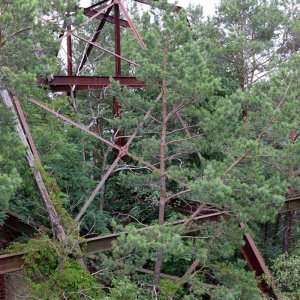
69 54
118 70
2 288
288 218
117 40
69 58
120 141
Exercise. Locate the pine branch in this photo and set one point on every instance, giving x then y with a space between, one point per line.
13 35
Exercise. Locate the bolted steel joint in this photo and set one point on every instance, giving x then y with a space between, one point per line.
123 151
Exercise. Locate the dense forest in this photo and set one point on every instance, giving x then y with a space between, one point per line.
174 172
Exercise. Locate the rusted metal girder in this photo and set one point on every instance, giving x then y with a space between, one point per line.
25 128
94 14
11 262
249 250
291 204
14 262
17 224
104 243
86 83
90 13
2 288
94 38
256 264
191 206
20 125
69 55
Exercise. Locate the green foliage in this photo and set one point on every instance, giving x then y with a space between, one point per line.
11 156
71 281
123 288
28 45
238 283
53 274
41 256
168 288
286 272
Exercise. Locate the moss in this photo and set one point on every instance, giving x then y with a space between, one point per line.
52 274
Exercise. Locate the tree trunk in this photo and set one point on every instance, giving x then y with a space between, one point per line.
157 269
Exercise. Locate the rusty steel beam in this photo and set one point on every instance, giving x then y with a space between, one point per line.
119 140
292 203
249 251
17 224
14 262
256 263
131 24
25 127
94 38
114 146
85 83
69 54
191 206
11 262
98 4
89 13
104 243
69 121
118 67
98 46
101 243
147 2
162 275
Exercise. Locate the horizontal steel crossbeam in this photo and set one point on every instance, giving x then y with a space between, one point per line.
292 203
90 13
85 83
14 262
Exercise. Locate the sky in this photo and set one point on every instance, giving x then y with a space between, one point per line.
208 5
